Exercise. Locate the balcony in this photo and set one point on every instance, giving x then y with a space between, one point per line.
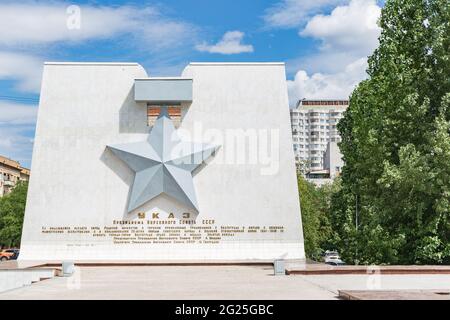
8 183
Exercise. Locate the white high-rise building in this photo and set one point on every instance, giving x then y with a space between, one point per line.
314 125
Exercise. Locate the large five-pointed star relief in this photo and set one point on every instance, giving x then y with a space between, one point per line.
163 164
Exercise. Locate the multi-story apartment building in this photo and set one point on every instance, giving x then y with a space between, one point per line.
314 126
11 172
332 166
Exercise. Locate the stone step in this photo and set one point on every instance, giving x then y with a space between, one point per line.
13 279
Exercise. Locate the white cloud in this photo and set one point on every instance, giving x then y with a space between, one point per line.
229 44
337 85
17 114
17 143
26 69
293 13
351 27
32 26
17 125
35 23
348 35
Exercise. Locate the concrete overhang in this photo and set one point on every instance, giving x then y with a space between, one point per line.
163 90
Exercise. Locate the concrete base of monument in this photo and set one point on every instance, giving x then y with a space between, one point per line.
54 263
227 251
24 264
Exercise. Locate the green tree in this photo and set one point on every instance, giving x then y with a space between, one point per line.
12 209
394 204
315 205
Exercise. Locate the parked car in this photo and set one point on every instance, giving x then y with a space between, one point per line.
332 258
9 254
336 263
327 254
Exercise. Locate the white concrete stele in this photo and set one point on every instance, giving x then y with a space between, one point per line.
78 188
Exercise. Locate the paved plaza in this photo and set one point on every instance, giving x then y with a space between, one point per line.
213 282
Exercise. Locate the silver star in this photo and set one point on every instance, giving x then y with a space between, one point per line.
163 164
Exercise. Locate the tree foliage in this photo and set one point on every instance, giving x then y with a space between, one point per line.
315 206
12 209
396 143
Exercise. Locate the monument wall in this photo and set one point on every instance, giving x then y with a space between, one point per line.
79 191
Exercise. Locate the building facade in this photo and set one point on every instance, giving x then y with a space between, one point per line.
314 130
332 166
333 162
11 172
313 126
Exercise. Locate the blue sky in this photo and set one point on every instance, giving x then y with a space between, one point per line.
324 43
